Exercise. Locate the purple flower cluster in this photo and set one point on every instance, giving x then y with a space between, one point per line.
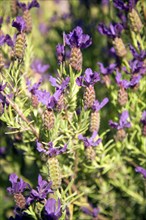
122 5
89 78
76 38
123 122
41 192
28 6
18 185
39 67
19 24
97 106
6 39
107 70
125 83
53 209
113 31
138 56
90 142
51 151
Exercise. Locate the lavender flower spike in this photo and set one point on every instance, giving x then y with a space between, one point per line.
53 209
43 189
141 170
18 186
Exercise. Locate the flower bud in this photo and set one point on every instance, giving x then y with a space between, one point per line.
121 134
76 58
89 96
1 61
20 46
28 21
90 153
61 103
122 96
135 21
95 121
144 130
14 8
54 172
1 32
20 200
107 80
49 119
34 101
1 108
119 47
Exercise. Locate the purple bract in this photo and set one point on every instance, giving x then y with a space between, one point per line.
113 31
76 38
53 209
123 122
89 78
107 70
19 24
51 151
61 86
141 170
90 142
97 106
39 67
138 56
90 211
6 39
121 5
18 185
28 6
143 118
43 189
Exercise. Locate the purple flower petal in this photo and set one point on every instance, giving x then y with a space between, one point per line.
19 24
97 106
143 118
76 38
39 67
141 170
33 4
53 210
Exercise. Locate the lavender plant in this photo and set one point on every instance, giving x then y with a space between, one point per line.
60 158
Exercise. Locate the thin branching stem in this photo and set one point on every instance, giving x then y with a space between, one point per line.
20 113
